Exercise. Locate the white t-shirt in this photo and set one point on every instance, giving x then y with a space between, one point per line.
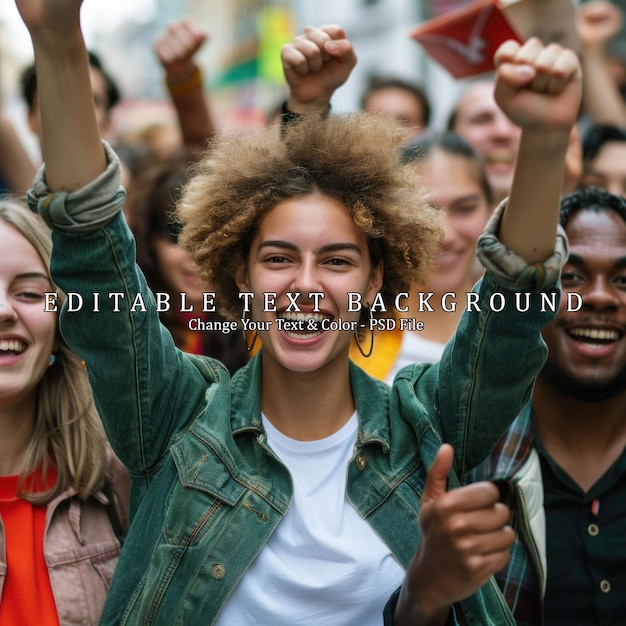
324 565
415 349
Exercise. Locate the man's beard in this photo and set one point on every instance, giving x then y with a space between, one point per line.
584 388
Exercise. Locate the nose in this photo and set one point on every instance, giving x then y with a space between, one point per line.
306 279
600 295
504 128
449 228
7 312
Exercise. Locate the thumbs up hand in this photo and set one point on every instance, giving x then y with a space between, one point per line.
465 539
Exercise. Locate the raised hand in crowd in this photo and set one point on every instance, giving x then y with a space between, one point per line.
539 89
598 22
316 63
176 50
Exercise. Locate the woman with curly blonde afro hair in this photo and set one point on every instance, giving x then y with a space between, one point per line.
346 158
301 490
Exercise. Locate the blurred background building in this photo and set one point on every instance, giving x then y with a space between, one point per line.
241 61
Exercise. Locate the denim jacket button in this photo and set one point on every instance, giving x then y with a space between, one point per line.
360 462
218 571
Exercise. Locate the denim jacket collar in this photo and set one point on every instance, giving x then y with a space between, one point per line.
372 408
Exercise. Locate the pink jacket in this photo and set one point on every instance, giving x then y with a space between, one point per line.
81 549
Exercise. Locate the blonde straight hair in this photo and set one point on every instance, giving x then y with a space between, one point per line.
68 432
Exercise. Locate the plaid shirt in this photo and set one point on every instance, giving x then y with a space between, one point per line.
520 580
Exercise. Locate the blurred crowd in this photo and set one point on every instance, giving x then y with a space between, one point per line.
467 169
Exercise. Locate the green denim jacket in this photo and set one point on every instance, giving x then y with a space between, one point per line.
207 490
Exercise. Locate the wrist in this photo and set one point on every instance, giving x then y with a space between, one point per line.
287 115
419 611
545 142
319 105
67 42
595 50
180 73
182 83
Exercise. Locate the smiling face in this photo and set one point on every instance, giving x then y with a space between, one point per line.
308 244
454 182
27 332
587 348
482 124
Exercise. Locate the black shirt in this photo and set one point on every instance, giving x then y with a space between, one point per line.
586 546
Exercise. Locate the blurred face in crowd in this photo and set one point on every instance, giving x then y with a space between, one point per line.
454 181
587 348
179 272
100 100
400 104
573 162
489 131
607 169
495 138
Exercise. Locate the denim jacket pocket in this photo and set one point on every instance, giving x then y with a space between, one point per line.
205 490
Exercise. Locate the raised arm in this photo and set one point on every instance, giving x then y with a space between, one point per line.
539 89
16 168
176 49
139 379
487 370
72 147
597 23
316 63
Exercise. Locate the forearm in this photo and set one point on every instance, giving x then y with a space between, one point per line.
133 365
72 146
601 98
192 109
530 221
15 165
487 370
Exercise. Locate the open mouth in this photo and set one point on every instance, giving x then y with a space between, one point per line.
597 336
500 157
300 325
12 346
448 258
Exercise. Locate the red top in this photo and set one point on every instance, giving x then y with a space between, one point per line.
27 595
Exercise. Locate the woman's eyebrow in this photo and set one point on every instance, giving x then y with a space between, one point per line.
331 247
27 275
335 247
277 243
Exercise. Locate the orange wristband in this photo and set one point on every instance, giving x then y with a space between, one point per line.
189 84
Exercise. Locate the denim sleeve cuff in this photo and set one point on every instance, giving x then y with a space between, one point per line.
508 269
86 209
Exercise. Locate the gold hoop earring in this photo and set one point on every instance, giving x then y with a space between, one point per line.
358 341
249 347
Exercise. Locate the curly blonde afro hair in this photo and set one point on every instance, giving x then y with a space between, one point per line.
353 158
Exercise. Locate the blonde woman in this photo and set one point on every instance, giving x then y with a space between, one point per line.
63 501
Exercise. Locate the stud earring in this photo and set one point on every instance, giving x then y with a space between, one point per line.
52 359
